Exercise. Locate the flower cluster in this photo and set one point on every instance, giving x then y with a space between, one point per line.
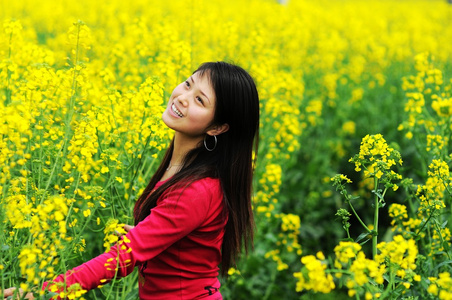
46 224
428 106
75 291
80 108
431 193
362 276
290 231
313 276
377 159
113 230
400 255
441 286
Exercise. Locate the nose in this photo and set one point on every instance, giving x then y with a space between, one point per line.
183 99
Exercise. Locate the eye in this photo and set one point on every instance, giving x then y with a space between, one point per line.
200 100
187 84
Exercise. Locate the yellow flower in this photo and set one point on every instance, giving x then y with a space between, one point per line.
346 251
316 279
233 271
399 252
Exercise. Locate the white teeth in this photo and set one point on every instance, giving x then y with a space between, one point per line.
176 111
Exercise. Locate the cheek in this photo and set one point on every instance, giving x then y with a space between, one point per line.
173 95
178 89
208 119
203 119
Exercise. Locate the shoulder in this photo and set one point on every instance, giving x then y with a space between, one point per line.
201 188
207 183
201 195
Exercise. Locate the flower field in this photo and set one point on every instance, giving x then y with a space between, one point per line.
353 184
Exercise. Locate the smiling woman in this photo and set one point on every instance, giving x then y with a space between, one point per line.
195 213
191 110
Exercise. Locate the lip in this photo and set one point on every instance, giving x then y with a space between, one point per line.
173 113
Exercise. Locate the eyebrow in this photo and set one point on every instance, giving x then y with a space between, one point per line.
191 77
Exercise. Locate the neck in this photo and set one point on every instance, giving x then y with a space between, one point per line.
182 145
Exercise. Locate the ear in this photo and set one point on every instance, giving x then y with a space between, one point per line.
218 129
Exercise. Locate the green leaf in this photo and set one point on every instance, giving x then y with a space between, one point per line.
446 246
49 295
346 240
362 236
447 262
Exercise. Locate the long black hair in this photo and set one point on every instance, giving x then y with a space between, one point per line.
237 104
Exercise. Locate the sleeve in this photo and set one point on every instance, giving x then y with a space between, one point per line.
177 213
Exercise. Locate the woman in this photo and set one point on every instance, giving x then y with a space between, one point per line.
196 211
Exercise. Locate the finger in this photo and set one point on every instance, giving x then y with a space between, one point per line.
128 227
8 292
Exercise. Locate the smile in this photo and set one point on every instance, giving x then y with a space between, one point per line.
176 111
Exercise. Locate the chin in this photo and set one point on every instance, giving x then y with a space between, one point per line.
165 118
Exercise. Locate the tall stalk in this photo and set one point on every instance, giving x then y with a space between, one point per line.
376 211
63 149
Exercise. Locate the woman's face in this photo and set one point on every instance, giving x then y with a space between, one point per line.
191 107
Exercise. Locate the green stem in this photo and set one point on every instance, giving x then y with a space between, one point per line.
8 79
269 288
426 222
390 286
70 114
41 161
149 170
410 201
2 242
135 173
72 203
441 238
49 181
78 234
376 210
113 281
357 216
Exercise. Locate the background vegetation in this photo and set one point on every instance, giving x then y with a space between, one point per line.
83 85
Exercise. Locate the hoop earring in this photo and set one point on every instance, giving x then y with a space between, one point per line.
205 143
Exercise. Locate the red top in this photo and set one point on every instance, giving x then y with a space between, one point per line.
177 247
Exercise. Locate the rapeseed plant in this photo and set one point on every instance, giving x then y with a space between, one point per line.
80 121
313 276
403 264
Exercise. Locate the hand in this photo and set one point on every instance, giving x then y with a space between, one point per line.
126 229
9 293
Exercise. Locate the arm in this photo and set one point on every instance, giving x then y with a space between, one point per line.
177 214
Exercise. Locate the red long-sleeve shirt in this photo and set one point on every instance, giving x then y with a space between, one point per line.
177 247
